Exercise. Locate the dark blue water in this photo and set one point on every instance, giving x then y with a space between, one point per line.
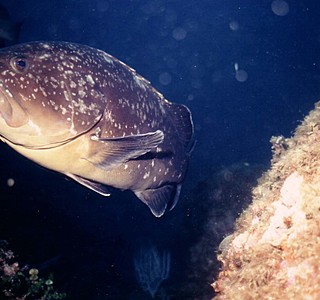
246 72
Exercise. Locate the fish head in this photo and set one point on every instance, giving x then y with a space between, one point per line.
47 94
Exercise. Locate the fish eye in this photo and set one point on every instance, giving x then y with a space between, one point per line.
19 64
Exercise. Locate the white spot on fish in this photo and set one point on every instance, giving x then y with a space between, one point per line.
90 80
81 82
35 127
73 85
63 110
43 91
46 46
66 95
43 56
139 81
9 93
81 94
106 57
146 175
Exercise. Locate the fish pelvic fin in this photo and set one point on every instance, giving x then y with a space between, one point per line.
160 199
92 185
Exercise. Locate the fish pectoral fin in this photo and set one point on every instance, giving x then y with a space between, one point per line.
159 199
114 151
92 185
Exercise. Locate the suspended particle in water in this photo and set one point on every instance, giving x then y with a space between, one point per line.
241 75
165 78
217 76
171 62
10 182
280 8
102 6
234 25
170 16
196 83
190 97
179 33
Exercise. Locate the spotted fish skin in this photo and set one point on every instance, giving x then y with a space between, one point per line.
81 112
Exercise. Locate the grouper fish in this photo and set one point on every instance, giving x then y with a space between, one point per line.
81 112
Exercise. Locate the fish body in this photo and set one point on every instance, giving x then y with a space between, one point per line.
81 112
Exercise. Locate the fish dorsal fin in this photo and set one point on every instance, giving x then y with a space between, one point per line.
158 199
111 152
95 186
182 119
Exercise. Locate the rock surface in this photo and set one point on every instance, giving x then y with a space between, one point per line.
274 251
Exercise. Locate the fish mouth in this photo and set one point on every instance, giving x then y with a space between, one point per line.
17 127
20 127
16 117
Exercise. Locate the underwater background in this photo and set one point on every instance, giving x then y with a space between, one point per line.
248 70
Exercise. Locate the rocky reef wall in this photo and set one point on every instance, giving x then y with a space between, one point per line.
274 252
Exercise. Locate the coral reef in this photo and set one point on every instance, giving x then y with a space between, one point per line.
23 283
274 251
